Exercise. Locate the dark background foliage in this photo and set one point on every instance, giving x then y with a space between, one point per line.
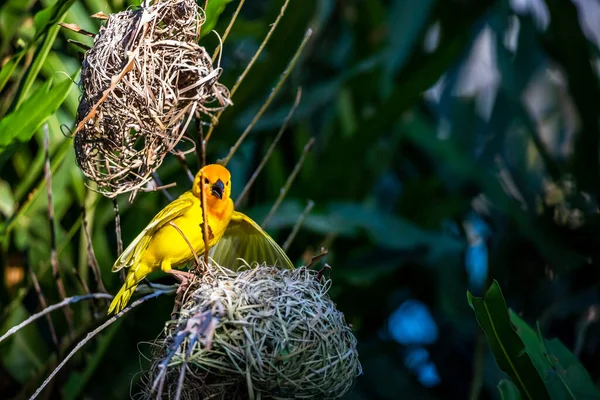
456 143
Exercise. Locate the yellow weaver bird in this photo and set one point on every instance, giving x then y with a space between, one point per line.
231 235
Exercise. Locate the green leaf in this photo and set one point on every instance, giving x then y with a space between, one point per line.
505 343
36 65
214 9
570 371
563 374
534 346
8 69
26 120
508 390
50 16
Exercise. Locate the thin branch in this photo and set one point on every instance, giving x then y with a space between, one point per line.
283 191
186 240
201 151
231 22
204 220
317 258
301 218
118 226
263 162
161 187
181 158
91 335
53 256
94 306
84 285
43 303
118 233
274 92
267 103
93 261
47 310
241 78
180 273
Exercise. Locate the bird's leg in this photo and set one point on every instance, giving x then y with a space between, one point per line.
184 278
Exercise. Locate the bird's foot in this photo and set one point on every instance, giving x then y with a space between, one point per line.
184 278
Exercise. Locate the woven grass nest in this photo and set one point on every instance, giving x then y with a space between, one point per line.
260 333
142 81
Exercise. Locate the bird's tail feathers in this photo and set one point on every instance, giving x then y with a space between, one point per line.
122 298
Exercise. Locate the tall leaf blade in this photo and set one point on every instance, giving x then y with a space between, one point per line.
534 346
21 124
569 370
505 343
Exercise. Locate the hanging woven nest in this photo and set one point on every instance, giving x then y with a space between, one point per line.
255 334
143 80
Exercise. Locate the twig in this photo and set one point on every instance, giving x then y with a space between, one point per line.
118 233
186 240
161 187
91 254
53 256
49 309
267 155
319 275
76 29
91 335
201 152
81 281
283 191
241 78
267 103
94 307
296 228
181 158
231 22
315 259
204 220
43 303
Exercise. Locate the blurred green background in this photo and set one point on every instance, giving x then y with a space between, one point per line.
457 142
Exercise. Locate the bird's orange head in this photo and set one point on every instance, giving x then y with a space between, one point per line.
215 181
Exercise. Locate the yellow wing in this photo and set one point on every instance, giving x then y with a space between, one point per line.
245 239
175 209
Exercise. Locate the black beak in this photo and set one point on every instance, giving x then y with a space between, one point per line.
218 188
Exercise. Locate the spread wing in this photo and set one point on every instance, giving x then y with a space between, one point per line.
245 239
173 210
